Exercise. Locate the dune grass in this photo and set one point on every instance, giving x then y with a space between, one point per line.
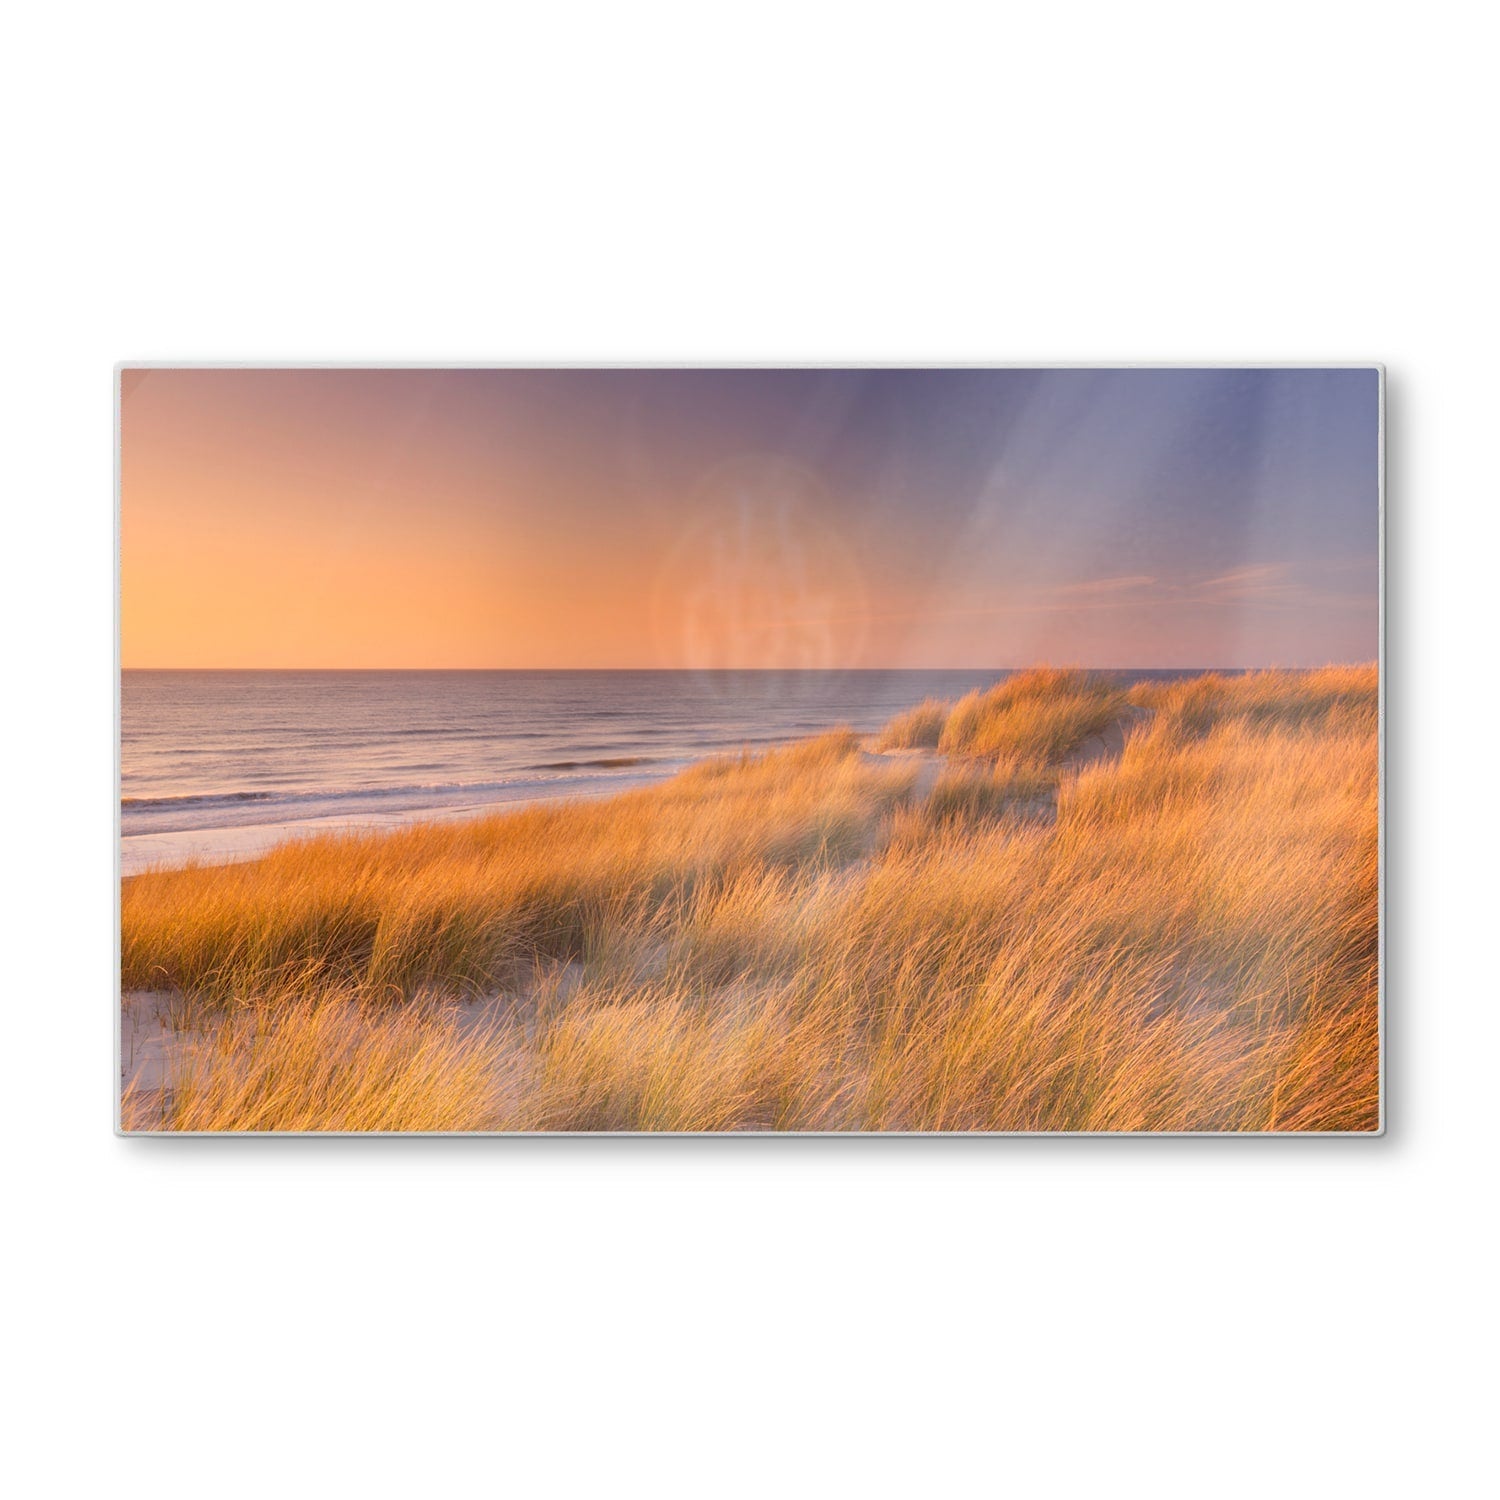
972 792
1034 717
1181 938
459 904
919 728
328 1064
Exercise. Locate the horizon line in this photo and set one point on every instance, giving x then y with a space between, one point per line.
1011 667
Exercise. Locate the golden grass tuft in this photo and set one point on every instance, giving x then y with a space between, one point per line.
1033 717
1184 937
919 728
974 791
329 1064
1327 698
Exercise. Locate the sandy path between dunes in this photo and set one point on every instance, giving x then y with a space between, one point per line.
1109 745
929 764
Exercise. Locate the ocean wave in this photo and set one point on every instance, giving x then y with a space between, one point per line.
425 789
198 799
609 763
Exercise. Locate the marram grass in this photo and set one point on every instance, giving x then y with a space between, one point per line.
1184 937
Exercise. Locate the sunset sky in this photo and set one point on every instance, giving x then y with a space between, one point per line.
744 518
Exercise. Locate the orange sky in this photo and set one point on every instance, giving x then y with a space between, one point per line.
268 529
730 518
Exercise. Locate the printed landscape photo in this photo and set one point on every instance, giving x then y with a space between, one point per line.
722 750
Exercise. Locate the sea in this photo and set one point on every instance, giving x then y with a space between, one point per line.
220 765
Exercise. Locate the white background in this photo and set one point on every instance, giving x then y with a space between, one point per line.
772 182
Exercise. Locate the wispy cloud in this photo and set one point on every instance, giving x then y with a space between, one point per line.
1271 586
1263 573
1108 585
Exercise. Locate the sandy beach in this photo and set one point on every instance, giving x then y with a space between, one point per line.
219 846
